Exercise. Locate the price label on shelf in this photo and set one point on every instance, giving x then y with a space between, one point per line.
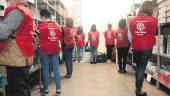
149 77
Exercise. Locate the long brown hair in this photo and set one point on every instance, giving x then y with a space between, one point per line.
122 23
93 28
146 8
79 30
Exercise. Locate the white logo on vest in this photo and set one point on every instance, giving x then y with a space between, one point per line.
140 29
120 36
52 35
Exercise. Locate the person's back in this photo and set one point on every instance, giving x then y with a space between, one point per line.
143 30
16 29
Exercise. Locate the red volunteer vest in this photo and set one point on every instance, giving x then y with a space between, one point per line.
109 37
68 36
50 35
24 35
143 29
94 38
122 38
80 39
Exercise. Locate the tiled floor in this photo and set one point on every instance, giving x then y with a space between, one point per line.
99 80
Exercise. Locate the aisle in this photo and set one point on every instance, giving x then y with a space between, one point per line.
99 80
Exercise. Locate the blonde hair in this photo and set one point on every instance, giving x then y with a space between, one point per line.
146 8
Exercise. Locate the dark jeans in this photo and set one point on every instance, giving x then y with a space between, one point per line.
109 51
141 58
122 55
68 52
18 81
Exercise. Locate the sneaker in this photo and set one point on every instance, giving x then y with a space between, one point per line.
58 93
141 94
45 93
124 71
67 76
120 71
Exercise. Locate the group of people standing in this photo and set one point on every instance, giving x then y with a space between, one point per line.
17 48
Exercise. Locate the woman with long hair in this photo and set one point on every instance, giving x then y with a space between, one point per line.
122 45
80 43
93 37
143 28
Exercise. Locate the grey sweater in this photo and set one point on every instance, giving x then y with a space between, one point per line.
10 24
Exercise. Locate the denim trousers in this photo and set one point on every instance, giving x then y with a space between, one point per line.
93 50
46 60
68 52
141 58
79 52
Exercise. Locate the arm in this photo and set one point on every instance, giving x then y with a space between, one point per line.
129 35
10 24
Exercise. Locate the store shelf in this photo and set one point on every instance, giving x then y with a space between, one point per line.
164 84
165 55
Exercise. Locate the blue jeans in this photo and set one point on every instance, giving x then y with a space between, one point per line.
141 58
93 50
79 52
45 61
68 52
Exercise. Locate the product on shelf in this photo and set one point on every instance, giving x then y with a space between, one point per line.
165 77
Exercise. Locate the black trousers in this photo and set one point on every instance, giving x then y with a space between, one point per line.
122 57
109 51
18 81
141 58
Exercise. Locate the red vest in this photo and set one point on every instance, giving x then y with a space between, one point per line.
109 37
122 38
94 38
50 35
143 29
68 36
80 39
24 35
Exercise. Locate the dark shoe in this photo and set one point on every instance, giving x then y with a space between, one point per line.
45 93
120 71
67 76
94 62
141 94
58 93
124 71
91 62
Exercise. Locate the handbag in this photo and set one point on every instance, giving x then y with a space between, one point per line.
87 47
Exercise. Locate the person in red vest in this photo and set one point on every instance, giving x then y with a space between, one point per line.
80 43
68 46
93 37
109 35
16 30
49 46
122 44
143 28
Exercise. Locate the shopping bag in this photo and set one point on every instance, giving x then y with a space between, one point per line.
87 47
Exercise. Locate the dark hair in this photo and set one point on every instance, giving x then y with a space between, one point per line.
79 30
69 22
109 25
122 23
93 28
45 13
147 8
